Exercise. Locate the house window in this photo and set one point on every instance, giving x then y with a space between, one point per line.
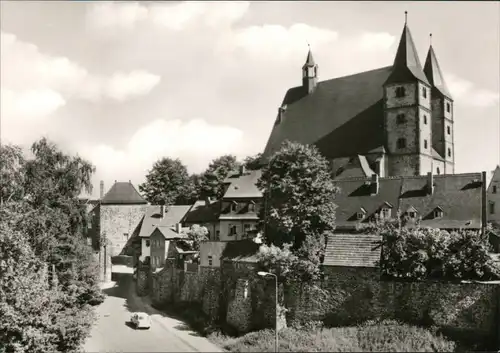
425 119
251 207
232 230
425 144
385 213
449 152
448 130
125 235
438 171
89 224
233 206
246 227
438 213
400 92
210 260
360 215
217 234
494 189
492 208
400 119
448 107
401 143
412 214
424 92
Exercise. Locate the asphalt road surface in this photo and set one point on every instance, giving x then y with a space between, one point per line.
113 332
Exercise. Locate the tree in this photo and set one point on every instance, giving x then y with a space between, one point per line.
299 204
197 234
212 183
168 181
253 162
11 173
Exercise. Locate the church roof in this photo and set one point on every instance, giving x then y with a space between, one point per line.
338 112
309 60
434 74
406 63
123 193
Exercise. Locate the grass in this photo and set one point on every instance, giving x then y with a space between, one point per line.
386 336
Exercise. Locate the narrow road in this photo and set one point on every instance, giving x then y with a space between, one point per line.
113 333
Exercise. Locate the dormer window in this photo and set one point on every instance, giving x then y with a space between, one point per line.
234 206
400 92
251 206
438 212
385 213
412 212
361 214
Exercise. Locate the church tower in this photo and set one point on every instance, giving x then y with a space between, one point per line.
309 74
407 113
442 114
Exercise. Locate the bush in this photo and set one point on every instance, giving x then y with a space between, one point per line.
388 336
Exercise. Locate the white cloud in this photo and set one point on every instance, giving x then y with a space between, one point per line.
464 91
275 41
114 16
195 142
34 84
376 41
124 15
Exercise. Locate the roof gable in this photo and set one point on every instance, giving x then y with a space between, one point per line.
201 212
243 186
407 64
152 218
434 74
123 193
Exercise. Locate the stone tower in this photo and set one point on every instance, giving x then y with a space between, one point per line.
407 113
309 73
442 116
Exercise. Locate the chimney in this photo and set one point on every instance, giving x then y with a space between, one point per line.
375 184
430 183
101 192
178 228
162 211
484 214
242 169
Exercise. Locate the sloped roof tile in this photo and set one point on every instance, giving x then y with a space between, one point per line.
123 193
244 186
352 250
152 218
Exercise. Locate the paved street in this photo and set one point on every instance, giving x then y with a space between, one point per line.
112 333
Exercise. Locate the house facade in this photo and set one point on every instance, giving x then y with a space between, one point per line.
493 195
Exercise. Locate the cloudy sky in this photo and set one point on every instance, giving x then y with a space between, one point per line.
123 84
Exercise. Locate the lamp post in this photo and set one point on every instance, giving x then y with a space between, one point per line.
266 274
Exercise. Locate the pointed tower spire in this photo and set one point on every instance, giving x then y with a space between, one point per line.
433 72
406 65
309 73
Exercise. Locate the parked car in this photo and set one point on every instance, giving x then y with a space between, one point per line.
141 320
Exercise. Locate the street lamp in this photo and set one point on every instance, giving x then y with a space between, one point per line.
266 274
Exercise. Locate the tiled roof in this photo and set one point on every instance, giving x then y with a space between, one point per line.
458 195
123 193
406 63
434 74
152 218
352 250
200 212
169 232
241 251
243 186
242 216
338 112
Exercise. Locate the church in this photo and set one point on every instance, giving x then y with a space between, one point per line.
391 121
